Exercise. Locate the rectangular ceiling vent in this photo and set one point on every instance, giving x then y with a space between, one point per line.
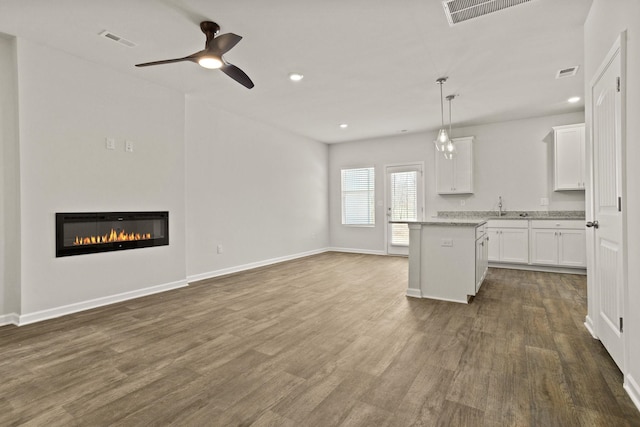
109 35
567 72
462 10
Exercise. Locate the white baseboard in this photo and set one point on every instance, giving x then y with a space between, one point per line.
252 265
9 319
588 323
633 390
51 313
357 251
465 301
414 293
546 269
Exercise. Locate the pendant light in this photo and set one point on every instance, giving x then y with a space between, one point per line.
442 140
450 148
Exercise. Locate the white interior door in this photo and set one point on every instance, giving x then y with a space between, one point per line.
404 194
607 197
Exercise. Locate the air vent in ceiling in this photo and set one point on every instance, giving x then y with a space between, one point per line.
462 10
109 35
567 72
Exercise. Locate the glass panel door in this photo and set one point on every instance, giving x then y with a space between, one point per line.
404 203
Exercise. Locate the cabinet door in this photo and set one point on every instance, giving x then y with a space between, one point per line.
463 166
494 244
455 176
482 263
569 161
444 174
544 246
514 245
485 257
572 248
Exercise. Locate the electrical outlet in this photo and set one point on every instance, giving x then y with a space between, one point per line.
110 143
544 201
462 203
128 146
220 249
446 242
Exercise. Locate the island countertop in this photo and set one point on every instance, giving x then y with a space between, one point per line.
456 222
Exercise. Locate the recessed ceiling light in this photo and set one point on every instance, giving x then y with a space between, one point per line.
295 77
574 99
344 126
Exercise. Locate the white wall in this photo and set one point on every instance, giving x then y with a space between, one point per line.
66 109
9 183
512 159
606 20
259 192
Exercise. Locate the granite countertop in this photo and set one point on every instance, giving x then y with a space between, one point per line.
550 215
456 222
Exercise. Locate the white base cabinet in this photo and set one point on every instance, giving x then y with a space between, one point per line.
508 241
482 255
446 262
561 243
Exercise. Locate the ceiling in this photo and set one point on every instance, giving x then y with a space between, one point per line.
370 63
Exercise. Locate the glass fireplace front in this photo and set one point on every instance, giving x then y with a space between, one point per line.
85 233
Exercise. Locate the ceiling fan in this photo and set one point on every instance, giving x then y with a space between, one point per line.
211 55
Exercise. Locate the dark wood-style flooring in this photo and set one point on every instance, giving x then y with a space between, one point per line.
320 341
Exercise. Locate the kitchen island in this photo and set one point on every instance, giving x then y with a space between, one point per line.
447 258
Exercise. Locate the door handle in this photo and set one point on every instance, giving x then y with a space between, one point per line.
593 224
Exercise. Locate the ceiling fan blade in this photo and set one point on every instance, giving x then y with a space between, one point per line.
237 74
166 61
223 43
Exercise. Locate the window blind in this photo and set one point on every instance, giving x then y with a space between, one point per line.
404 205
358 193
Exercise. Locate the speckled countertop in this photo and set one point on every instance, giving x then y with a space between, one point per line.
448 221
552 215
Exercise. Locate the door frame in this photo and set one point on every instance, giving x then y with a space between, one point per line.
423 194
593 302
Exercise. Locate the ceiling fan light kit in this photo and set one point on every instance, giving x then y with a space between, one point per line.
210 62
211 56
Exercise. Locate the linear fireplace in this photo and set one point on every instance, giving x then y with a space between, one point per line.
90 232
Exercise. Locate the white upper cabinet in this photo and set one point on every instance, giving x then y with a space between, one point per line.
569 157
456 176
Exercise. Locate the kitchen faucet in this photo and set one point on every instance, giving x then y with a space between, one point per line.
500 206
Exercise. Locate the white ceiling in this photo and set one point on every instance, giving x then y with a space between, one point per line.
369 63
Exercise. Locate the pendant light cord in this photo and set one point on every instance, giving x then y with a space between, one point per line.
450 99
441 105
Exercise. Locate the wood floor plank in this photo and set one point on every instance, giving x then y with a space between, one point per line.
325 340
549 394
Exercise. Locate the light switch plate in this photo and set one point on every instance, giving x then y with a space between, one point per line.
110 143
128 146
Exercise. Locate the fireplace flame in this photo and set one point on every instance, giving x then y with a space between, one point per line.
112 236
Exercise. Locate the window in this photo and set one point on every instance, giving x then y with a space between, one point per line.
358 207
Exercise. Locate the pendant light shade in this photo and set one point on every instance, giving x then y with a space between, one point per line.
450 148
442 140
